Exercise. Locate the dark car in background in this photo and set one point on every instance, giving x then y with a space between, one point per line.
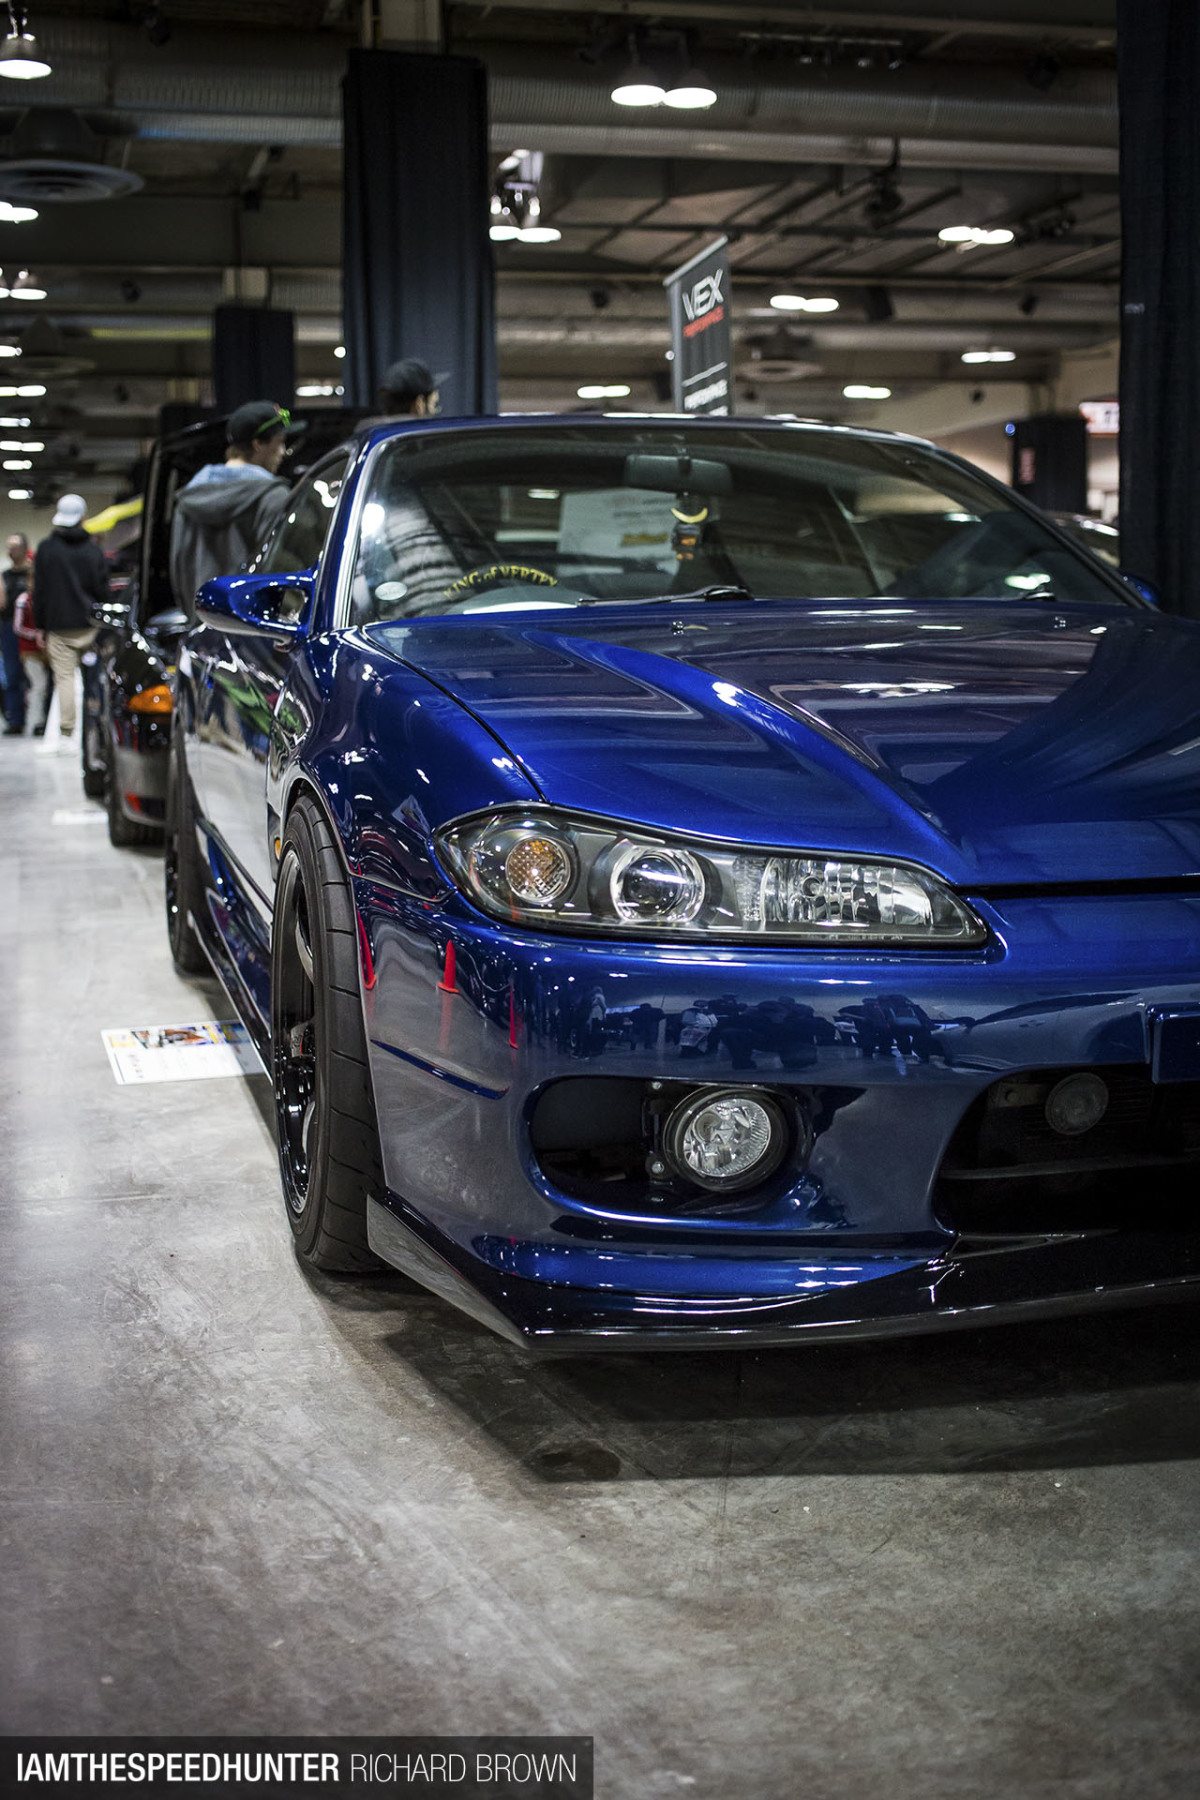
127 676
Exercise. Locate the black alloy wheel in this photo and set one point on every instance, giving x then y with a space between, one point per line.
329 1159
183 882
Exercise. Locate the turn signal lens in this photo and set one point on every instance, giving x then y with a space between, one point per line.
153 700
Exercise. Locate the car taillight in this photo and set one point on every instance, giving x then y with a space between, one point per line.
153 700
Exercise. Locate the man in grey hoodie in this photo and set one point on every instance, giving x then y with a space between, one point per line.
225 512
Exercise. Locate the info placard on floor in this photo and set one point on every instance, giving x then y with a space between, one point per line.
199 1052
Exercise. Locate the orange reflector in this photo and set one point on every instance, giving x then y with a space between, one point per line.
153 700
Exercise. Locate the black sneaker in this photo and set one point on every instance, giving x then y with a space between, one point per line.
14 731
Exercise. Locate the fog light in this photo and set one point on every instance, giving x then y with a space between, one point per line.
1075 1104
726 1138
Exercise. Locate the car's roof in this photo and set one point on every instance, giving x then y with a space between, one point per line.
380 430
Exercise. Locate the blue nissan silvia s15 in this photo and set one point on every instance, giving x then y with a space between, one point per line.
702 882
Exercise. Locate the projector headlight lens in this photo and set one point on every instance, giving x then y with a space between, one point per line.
726 1139
576 873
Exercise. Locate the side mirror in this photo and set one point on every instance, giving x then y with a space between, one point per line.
257 605
1146 589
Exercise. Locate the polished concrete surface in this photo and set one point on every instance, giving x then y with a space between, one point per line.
240 1500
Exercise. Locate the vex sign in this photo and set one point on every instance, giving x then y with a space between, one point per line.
704 296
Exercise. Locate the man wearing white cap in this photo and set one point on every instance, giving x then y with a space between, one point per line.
70 579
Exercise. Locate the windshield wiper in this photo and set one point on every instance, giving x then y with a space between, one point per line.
721 590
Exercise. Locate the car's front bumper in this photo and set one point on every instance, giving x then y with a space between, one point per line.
460 1051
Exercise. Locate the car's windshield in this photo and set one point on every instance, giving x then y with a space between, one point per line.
562 516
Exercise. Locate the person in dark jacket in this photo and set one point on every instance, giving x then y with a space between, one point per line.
410 390
225 512
70 579
16 580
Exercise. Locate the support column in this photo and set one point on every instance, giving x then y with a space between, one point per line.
1158 63
417 267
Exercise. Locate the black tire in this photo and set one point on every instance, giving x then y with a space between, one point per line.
122 831
95 780
183 885
329 1159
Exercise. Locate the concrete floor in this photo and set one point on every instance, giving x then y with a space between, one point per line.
240 1500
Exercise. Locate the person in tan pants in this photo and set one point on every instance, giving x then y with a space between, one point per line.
70 579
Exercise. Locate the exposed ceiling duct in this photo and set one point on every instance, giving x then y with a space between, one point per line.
944 114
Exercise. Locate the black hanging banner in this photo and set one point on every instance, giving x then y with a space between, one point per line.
253 356
417 268
701 376
1158 59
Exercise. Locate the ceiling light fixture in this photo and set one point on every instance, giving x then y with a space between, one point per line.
797 303
975 234
859 390
26 287
20 58
690 91
989 356
617 390
638 86
16 463
8 349
339 350
16 215
11 444
20 493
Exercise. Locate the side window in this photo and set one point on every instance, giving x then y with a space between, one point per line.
299 537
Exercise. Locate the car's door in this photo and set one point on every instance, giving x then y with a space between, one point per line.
241 681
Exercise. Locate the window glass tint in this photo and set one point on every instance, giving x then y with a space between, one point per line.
538 519
299 537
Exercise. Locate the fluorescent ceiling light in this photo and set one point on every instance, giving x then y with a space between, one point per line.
9 349
798 303
989 356
12 444
20 59
617 390
20 493
976 234
8 424
859 390
16 215
34 392
16 463
312 390
538 234
25 287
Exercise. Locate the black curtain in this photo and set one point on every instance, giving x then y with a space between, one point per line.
417 266
1050 461
253 356
1158 64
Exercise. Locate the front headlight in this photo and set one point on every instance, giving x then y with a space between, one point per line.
562 873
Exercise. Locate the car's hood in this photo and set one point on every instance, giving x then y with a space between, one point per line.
998 743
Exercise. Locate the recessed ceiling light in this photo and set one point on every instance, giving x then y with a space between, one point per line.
859 390
340 350
615 390
798 303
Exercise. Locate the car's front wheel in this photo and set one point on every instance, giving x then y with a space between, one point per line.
329 1157
183 884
